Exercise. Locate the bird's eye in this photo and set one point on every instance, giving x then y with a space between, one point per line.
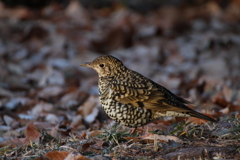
101 65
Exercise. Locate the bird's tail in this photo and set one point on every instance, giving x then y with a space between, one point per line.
186 113
201 116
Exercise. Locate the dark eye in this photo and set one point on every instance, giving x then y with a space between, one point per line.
101 65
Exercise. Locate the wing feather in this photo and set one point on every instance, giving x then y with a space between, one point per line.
150 94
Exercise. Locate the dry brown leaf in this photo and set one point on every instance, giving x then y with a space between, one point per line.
50 91
225 110
72 156
238 97
54 132
213 8
13 142
32 133
56 155
44 125
76 121
41 108
118 34
158 124
150 137
14 13
68 98
45 72
83 135
198 120
91 117
88 105
233 107
215 68
52 118
8 120
5 93
93 133
77 13
227 93
133 139
89 109
238 115
11 133
219 100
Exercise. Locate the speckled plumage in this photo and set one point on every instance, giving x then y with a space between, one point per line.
134 100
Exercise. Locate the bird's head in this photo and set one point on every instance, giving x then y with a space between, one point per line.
106 66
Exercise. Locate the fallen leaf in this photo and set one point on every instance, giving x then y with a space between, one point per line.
56 155
56 78
89 109
5 93
227 93
238 97
78 156
77 13
8 120
41 108
133 139
92 133
11 133
215 68
32 133
13 143
69 99
198 120
91 117
225 110
50 91
14 13
76 121
150 137
219 100
213 8
52 118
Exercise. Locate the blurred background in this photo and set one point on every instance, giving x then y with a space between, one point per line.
191 47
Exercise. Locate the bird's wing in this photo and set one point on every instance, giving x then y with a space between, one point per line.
142 92
147 94
155 97
130 92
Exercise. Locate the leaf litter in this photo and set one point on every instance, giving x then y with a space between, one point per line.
49 105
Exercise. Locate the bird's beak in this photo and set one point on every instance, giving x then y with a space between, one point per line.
88 64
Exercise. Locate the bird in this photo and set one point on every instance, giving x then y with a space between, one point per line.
134 100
